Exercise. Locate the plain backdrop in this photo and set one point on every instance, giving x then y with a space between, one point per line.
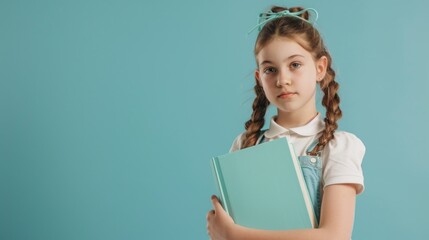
110 112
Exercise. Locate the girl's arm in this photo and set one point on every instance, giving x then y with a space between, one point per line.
336 220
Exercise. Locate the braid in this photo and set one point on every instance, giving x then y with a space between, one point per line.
331 101
257 120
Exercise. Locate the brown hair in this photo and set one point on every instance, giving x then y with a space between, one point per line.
309 38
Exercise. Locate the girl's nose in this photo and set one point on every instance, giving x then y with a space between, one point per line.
283 79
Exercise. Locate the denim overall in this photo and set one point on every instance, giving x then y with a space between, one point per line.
311 167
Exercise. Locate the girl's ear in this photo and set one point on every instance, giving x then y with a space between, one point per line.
257 77
321 67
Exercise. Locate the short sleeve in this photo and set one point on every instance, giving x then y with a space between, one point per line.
236 145
342 159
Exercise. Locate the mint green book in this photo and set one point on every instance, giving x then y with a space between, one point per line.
263 187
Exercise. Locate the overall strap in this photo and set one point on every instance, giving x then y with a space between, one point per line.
312 146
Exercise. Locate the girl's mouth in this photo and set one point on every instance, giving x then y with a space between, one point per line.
284 95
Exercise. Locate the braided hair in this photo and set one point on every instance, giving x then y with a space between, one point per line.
256 122
309 38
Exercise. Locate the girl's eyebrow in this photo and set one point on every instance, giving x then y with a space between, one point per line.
269 62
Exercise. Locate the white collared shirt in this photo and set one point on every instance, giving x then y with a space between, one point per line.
341 158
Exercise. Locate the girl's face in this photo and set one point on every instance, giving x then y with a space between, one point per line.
289 75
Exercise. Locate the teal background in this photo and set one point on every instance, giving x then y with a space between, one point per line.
111 110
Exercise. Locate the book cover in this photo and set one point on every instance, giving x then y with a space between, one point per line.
263 187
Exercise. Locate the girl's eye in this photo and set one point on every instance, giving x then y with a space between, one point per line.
295 65
270 70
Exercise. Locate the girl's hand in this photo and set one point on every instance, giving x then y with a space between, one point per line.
219 224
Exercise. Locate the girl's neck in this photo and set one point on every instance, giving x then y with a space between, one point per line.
296 119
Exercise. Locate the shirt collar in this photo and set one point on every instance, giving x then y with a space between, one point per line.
315 126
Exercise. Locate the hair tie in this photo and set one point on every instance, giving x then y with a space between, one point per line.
270 15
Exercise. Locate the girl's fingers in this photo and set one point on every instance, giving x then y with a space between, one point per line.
216 204
210 213
218 207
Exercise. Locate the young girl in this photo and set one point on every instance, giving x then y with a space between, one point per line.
291 60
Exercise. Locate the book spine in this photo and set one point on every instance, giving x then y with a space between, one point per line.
303 186
220 184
